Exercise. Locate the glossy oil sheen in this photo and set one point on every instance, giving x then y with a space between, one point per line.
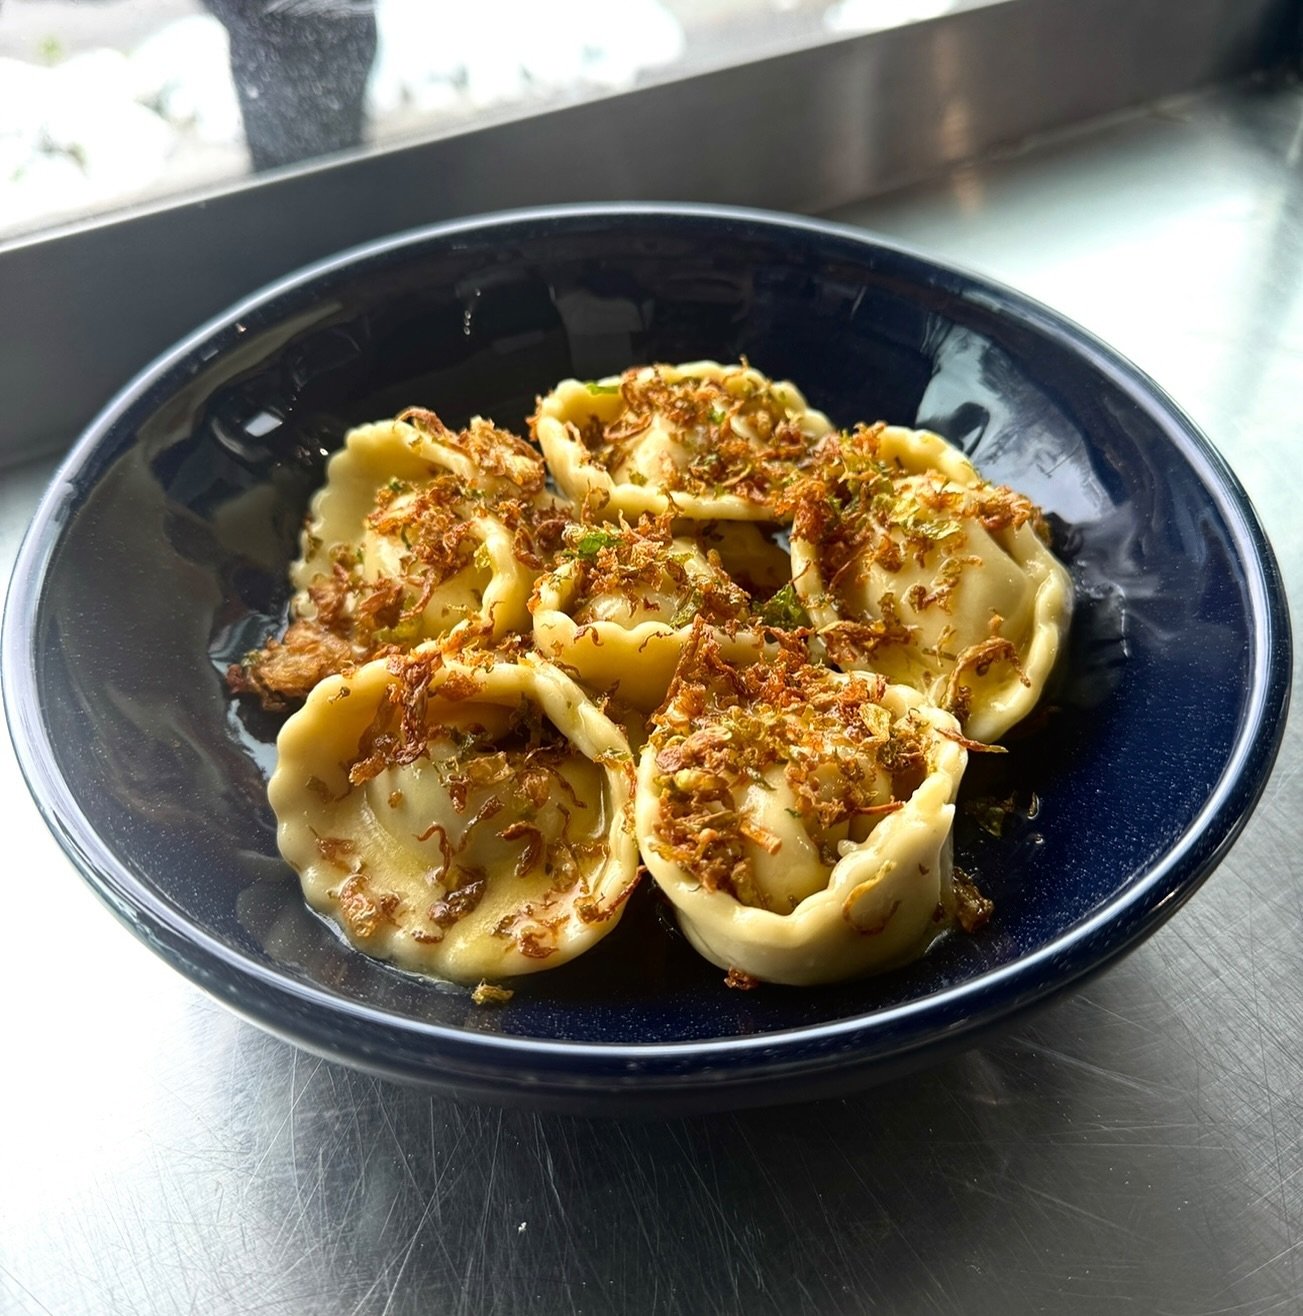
161 555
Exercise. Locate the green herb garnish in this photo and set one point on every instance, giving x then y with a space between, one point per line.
405 632
591 543
783 611
688 609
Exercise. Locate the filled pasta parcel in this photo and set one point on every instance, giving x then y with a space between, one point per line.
420 532
701 440
621 602
911 564
466 817
799 818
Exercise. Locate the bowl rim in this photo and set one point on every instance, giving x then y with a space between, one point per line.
986 998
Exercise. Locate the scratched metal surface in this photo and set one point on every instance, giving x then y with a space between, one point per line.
1136 1147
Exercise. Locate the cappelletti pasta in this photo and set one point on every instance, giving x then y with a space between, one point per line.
467 819
737 646
620 606
419 531
799 818
706 441
910 564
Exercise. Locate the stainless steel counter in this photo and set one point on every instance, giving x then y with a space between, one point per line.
1138 1146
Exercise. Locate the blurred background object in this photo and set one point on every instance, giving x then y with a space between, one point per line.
109 103
135 171
300 72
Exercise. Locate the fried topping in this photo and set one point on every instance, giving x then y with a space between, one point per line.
436 529
735 435
496 452
860 509
724 727
979 658
488 993
748 754
972 909
285 671
643 565
362 910
518 770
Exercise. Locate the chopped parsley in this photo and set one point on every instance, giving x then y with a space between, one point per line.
588 545
689 608
783 611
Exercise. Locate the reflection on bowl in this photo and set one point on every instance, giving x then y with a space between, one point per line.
160 555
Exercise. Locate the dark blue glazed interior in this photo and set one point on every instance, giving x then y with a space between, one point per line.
161 555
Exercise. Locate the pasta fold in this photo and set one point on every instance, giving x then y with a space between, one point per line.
464 817
910 564
799 818
702 440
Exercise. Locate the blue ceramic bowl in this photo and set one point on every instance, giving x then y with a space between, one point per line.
160 554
